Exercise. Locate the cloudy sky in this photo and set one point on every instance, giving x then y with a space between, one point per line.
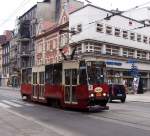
11 9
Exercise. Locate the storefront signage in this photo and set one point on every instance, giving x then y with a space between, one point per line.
132 61
113 63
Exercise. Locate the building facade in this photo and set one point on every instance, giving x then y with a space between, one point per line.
14 68
114 40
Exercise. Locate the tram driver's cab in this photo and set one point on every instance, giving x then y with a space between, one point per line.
86 78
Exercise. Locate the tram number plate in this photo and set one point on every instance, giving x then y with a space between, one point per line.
98 94
119 94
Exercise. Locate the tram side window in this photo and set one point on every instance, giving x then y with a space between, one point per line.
74 76
57 74
82 77
49 75
67 76
24 75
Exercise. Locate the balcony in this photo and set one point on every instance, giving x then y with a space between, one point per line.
25 54
24 29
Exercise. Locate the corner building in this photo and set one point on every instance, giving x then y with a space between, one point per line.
114 40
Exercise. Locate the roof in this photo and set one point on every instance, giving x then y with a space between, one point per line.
105 11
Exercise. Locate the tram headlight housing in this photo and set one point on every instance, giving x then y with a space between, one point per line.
91 95
104 94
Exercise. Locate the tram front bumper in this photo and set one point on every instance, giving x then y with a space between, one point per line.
98 108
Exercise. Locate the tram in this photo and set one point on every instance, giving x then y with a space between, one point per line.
69 84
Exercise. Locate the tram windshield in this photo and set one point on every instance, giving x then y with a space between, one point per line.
95 73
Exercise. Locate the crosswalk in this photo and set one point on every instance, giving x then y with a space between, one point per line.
14 103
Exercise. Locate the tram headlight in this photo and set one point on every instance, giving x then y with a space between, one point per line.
91 95
104 94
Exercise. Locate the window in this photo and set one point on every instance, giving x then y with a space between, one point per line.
139 38
79 50
97 48
125 52
131 53
89 48
108 50
143 55
79 28
108 30
100 28
117 32
132 36
139 55
145 39
73 31
115 51
125 34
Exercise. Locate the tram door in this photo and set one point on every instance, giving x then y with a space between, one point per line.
41 85
38 81
35 85
70 81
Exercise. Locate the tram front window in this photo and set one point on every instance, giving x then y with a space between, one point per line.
95 72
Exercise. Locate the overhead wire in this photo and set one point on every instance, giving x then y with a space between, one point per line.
22 4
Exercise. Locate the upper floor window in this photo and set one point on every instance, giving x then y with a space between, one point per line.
100 28
145 39
108 30
132 36
139 38
73 31
117 32
79 28
125 34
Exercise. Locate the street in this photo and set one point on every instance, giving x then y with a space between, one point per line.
18 118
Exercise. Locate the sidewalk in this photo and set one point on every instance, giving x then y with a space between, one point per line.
138 97
9 88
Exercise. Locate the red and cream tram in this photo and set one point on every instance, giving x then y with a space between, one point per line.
70 84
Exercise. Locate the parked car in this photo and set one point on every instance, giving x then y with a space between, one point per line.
117 92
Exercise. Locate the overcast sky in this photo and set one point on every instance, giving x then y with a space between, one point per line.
11 9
